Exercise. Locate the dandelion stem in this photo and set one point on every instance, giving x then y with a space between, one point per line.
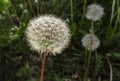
96 63
85 58
96 58
88 65
92 28
89 56
43 67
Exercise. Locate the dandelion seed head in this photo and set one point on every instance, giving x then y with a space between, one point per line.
94 12
21 6
48 34
90 42
36 1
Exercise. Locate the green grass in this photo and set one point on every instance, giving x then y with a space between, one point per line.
19 63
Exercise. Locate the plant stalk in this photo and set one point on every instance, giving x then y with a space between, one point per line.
71 7
89 56
43 67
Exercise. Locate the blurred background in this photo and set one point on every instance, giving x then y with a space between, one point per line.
19 63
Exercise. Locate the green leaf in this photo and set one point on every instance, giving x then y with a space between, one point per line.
117 55
73 28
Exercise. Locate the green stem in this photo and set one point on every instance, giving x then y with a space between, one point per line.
85 59
96 63
83 17
111 19
96 58
71 7
83 13
37 8
88 65
41 7
29 2
115 27
113 7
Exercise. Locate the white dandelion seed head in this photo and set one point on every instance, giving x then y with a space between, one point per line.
21 6
36 1
48 34
94 12
90 42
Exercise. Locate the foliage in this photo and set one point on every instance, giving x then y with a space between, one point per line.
19 63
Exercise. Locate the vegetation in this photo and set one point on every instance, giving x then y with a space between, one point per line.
19 63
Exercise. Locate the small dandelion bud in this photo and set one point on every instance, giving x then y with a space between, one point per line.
94 12
48 34
90 42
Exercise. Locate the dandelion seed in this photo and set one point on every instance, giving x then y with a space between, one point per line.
90 42
94 12
48 34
